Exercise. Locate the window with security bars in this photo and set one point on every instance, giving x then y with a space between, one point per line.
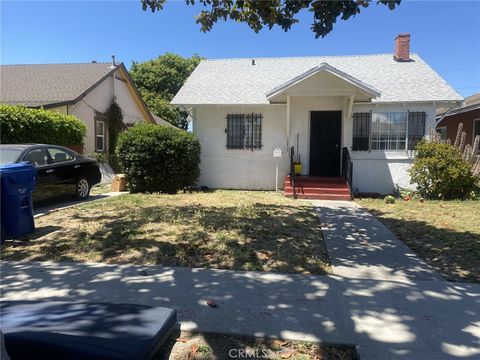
416 128
389 131
361 131
244 131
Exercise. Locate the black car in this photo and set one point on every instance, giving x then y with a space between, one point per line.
60 170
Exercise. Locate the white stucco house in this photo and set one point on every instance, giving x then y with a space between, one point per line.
375 106
84 90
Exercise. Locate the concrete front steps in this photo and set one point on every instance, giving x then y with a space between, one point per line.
318 188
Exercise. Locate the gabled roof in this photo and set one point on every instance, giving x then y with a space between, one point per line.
317 69
160 121
45 84
237 81
51 85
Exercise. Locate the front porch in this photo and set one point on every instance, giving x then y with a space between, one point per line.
317 187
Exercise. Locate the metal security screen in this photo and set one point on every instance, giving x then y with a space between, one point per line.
244 131
361 131
416 128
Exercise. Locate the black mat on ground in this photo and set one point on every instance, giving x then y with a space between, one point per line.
65 330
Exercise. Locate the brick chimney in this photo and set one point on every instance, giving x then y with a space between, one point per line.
402 47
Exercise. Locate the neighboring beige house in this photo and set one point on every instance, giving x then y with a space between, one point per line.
83 90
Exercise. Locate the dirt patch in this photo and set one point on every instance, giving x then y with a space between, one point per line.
211 346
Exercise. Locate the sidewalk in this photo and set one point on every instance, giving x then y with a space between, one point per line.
361 247
387 319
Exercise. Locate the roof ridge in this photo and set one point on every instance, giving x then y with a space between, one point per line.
301 57
82 63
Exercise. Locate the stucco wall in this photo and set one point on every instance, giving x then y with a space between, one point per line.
375 171
381 171
240 169
99 99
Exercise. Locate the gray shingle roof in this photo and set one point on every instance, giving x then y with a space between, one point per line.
43 84
237 81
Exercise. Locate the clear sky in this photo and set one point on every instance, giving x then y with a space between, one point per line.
445 33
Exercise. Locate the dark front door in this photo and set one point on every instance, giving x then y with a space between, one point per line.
325 132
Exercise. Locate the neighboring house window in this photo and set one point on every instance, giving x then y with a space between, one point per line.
99 135
476 129
389 131
361 131
244 131
416 128
442 131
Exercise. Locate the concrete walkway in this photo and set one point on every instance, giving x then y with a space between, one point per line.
69 202
386 319
361 247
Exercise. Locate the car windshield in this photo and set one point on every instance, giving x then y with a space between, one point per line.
8 156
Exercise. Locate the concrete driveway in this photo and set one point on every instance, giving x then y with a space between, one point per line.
68 202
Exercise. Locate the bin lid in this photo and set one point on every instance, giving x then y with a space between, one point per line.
15 167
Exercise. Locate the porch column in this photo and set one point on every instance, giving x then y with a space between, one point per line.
288 117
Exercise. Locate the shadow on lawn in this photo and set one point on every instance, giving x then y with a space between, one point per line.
254 237
456 255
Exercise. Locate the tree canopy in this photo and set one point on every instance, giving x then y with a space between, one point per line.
257 14
158 81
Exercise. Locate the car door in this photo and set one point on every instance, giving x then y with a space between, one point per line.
45 189
65 169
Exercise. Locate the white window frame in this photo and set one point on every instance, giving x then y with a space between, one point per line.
100 136
374 114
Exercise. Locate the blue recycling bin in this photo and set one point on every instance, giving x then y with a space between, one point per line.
17 182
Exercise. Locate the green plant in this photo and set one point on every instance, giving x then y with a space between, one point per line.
158 80
440 171
19 124
159 158
114 117
101 157
389 199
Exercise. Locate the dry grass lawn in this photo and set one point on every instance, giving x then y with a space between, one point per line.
446 234
242 230
210 346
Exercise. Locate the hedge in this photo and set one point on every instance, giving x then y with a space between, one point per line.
19 124
159 158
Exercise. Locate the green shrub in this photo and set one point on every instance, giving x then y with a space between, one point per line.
19 124
440 172
159 158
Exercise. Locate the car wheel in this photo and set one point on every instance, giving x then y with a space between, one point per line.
82 189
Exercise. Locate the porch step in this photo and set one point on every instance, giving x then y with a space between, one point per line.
317 179
318 188
322 197
317 185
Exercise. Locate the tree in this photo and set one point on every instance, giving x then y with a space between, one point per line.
158 81
257 14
